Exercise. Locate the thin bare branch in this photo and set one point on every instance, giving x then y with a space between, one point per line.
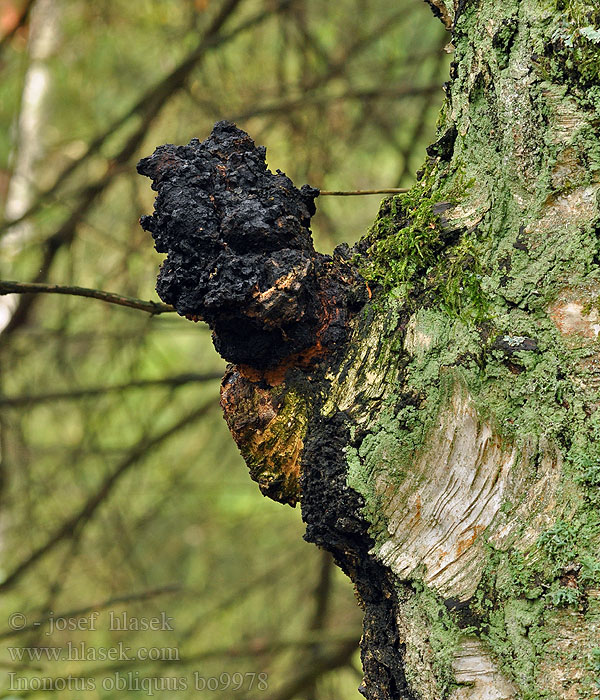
73 394
309 99
151 307
72 526
351 193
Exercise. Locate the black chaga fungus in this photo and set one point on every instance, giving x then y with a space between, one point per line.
332 512
240 257
238 244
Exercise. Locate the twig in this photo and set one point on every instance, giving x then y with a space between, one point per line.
174 381
350 193
151 307
148 107
308 99
73 525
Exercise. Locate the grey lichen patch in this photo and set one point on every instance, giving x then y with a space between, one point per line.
538 614
431 639
516 634
561 673
449 342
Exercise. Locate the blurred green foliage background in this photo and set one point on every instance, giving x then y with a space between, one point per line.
122 490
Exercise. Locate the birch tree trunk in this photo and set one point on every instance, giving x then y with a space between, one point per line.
444 441
43 39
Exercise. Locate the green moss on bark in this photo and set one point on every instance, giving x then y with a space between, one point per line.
404 247
485 259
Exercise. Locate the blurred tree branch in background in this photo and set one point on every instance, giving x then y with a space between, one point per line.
151 307
116 474
71 527
174 381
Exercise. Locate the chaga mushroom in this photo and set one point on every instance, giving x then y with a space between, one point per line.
240 257
238 244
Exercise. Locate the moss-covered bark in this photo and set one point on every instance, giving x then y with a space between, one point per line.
479 464
444 441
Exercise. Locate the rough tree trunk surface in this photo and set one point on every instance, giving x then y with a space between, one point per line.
430 397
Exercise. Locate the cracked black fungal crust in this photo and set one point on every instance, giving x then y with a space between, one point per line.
240 256
332 513
239 249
